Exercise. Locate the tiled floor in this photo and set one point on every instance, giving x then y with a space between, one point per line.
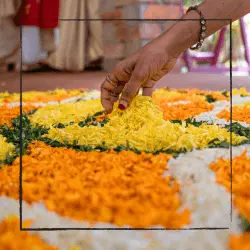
52 80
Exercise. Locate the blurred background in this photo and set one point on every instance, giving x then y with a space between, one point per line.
61 50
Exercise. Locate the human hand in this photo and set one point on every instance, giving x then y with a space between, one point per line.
157 58
141 70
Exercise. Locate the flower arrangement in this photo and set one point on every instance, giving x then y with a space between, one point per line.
12 238
152 165
240 112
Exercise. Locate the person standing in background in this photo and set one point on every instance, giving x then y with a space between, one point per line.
38 19
9 33
80 42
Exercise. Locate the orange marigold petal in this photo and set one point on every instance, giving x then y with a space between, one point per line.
240 180
12 238
240 242
120 188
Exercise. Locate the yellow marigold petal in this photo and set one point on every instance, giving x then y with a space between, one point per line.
241 91
65 113
5 148
147 132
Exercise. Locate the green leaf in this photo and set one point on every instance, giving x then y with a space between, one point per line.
193 122
82 124
29 133
177 121
216 143
245 224
210 98
225 93
190 121
238 129
91 121
59 125
99 113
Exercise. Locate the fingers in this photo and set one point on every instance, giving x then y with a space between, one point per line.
115 82
147 91
110 95
132 87
127 78
106 95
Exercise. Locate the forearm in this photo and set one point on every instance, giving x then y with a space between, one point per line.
184 34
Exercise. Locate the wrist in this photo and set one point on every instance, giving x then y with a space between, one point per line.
183 34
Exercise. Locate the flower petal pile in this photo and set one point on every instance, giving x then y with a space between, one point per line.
5 148
240 112
240 180
37 96
121 188
240 189
240 242
149 132
65 113
177 104
163 162
241 91
12 238
8 113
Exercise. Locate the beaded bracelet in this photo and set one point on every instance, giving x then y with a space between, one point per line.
202 34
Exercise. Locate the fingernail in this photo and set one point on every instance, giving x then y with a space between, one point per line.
121 106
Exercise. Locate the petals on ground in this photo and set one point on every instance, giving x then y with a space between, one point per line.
11 238
121 188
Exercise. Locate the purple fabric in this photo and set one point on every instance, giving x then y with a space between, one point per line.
219 46
212 57
245 40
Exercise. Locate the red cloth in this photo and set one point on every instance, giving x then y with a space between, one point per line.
41 13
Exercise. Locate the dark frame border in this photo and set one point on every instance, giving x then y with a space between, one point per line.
122 228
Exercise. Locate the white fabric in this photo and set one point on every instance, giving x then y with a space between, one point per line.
31 47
